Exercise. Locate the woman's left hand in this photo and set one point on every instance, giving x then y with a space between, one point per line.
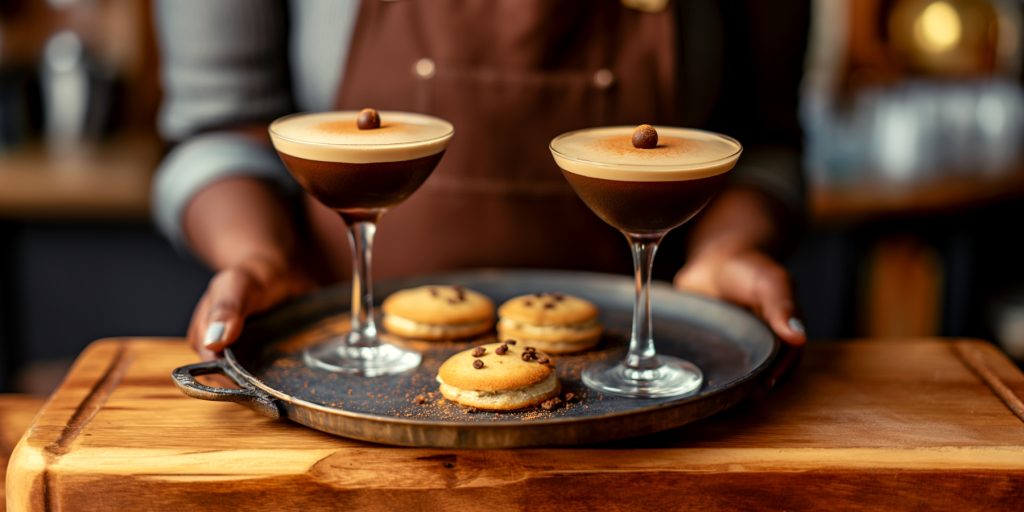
751 279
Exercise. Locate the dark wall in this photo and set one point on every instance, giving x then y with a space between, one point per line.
64 286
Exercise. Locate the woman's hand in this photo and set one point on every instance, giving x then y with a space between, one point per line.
750 279
234 293
753 280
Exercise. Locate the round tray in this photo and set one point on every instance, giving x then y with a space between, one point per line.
731 346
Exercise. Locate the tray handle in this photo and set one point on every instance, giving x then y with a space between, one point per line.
185 378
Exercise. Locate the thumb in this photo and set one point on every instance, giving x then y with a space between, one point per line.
229 295
773 298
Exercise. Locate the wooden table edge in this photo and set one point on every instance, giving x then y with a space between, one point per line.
37 451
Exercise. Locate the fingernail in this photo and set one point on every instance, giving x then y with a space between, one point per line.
796 325
213 333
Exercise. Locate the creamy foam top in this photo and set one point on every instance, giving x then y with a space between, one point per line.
334 137
681 154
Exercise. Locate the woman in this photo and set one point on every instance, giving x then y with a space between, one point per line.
509 74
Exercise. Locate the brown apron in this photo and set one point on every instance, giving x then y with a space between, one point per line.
510 75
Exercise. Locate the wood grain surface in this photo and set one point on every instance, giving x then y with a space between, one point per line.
16 413
106 181
863 425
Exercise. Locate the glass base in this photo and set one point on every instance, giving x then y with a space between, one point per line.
383 359
675 377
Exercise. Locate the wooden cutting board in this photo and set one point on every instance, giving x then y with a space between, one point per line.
924 424
16 413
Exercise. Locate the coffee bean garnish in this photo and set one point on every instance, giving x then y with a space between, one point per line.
501 350
479 351
420 400
645 137
510 342
543 360
368 119
478 364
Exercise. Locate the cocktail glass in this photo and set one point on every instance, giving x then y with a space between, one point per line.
360 173
645 193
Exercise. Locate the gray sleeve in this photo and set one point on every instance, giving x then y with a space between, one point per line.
223 63
204 159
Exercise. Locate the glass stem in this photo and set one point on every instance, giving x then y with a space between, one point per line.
364 328
642 357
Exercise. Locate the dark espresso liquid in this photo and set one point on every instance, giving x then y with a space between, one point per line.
361 187
645 207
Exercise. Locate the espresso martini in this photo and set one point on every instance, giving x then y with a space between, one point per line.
360 164
645 181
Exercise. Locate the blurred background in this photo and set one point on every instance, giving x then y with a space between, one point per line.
913 114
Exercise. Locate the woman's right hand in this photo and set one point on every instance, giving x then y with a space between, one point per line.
252 285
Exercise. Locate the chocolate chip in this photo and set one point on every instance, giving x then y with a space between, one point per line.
527 303
510 342
529 349
539 295
433 292
420 400
501 350
368 119
645 137
558 297
460 292
543 360
479 351
549 305
478 364
528 356
453 301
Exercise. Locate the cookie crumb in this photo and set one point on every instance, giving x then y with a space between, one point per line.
551 403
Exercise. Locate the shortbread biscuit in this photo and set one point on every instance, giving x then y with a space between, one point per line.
554 322
499 377
438 312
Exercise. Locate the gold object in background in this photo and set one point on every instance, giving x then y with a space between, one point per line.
954 37
646 5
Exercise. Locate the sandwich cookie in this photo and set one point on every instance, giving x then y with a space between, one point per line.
552 322
499 377
438 312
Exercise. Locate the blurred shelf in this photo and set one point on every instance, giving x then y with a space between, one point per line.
836 205
106 181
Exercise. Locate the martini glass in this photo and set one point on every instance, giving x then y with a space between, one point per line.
360 173
645 193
